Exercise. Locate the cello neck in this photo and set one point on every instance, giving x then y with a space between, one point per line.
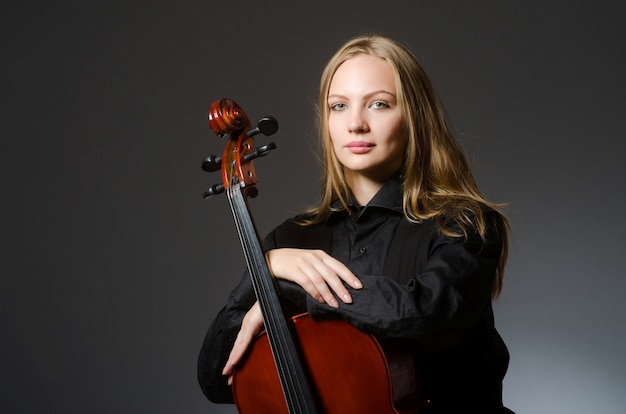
296 389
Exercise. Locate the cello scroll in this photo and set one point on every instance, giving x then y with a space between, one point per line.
228 118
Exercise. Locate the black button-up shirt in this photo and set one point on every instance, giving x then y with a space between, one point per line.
361 240
430 291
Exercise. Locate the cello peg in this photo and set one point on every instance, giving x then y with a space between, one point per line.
213 190
267 126
212 163
260 152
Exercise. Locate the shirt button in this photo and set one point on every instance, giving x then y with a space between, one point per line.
363 250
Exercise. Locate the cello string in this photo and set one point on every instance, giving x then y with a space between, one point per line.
274 318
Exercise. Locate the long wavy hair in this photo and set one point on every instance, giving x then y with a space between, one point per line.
438 183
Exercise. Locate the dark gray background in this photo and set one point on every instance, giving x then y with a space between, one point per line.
113 266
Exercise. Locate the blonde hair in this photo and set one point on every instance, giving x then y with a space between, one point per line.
437 180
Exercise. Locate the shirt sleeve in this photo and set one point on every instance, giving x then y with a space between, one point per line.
219 341
438 306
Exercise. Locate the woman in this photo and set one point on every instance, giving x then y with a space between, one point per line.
402 244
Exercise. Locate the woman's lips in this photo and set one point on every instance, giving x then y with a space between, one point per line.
359 147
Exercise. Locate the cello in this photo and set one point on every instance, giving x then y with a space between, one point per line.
297 365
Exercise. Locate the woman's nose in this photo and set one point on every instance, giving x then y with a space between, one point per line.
358 122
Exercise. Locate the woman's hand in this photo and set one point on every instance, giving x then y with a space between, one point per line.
316 271
251 325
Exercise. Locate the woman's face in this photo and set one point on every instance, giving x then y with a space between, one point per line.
365 119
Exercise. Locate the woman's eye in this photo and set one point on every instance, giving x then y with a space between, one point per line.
337 107
380 105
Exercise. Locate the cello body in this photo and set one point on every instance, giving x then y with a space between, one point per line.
348 368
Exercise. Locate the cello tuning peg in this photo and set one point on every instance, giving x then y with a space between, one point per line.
213 190
212 163
260 152
267 126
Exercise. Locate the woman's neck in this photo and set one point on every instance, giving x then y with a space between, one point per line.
363 188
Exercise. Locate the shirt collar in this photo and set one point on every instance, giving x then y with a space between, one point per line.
389 196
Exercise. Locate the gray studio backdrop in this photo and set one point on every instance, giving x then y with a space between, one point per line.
113 265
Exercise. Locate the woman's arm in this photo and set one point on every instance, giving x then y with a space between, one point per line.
219 341
438 305
301 275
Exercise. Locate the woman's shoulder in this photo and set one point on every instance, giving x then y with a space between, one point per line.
466 218
299 231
